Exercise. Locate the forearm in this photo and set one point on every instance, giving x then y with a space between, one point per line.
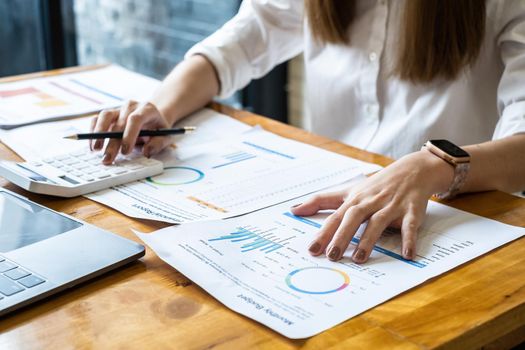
189 86
497 165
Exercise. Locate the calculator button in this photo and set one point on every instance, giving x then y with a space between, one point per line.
71 161
6 266
119 170
78 153
87 178
66 168
31 281
101 175
70 180
17 273
82 166
61 157
86 156
91 170
8 287
134 166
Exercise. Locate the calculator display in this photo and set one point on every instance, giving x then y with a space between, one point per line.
23 222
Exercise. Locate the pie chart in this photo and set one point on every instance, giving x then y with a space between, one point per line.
177 175
317 280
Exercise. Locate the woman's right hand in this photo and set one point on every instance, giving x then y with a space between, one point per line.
130 118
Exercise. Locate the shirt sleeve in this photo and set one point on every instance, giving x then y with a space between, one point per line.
511 90
263 34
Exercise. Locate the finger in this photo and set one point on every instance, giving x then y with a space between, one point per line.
409 229
332 200
375 227
327 231
91 128
156 144
113 146
134 124
353 218
104 121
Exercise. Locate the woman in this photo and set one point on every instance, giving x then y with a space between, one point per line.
384 76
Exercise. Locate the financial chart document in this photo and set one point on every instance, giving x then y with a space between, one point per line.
72 94
232 176
45 140
258 264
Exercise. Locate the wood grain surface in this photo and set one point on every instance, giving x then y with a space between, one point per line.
148 304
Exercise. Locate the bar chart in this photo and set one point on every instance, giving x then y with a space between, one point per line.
250 240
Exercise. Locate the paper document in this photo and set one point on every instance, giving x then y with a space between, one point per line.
259 265
38 141
230 177
61 96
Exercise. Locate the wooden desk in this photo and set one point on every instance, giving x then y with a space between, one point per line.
150 305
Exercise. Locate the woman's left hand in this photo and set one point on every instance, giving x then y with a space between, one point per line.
395 196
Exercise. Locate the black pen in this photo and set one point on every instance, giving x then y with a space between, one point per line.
118 135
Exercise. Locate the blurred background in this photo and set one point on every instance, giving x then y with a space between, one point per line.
146 36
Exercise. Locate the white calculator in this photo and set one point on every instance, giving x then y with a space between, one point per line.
77 173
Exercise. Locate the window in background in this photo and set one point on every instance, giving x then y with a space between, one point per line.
149 37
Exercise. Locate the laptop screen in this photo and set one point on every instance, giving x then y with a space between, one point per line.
23 223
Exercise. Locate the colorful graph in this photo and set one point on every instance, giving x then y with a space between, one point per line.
265 242
177 175
317 280
42 99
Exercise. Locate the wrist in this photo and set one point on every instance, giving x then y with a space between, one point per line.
439 173
165 112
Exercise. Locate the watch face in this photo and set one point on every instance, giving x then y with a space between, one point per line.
449 148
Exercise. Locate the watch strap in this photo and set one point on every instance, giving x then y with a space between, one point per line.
460 176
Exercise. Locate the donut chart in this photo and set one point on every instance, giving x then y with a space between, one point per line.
177 175
304 280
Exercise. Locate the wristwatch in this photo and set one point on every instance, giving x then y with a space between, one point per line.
455 156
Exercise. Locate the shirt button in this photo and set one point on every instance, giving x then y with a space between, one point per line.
372 56
372 110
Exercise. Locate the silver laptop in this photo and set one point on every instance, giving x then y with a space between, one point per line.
43 252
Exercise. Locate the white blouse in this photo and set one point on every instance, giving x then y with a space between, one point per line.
351 95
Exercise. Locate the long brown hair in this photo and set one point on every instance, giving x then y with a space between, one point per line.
438 38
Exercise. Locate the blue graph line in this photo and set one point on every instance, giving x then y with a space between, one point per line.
96 89
235 158
356 241
268 150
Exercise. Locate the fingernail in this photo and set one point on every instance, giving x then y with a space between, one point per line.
359 255
314 248
408 253
107 157
124 149
147 152
333 254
